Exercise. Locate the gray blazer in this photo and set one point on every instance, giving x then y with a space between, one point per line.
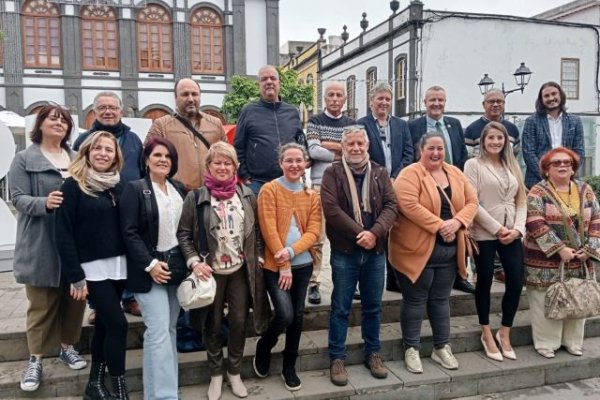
30 178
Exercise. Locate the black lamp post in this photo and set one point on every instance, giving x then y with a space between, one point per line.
522 76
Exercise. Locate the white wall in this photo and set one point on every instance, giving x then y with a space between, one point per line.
256 35
590 15
33 95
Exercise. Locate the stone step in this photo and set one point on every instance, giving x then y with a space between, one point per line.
313 359
13 341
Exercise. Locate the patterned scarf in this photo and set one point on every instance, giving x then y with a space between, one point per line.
366 187
218 189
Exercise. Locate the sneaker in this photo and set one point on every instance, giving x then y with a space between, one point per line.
375 364
71 357
356 295
337 373
413 361
314 297
32 375
290 379
261 361
444 357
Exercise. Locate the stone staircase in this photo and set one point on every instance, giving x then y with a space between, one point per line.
476 375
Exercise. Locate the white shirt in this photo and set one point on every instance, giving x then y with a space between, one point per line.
169 212
555 125
114 268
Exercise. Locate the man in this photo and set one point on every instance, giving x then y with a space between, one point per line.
262 127
108 110
324 138
550 127
191 131
390 145
360 208
493 106
456 151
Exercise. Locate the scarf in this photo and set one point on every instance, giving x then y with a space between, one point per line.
366 187
118 130
101 181
220 190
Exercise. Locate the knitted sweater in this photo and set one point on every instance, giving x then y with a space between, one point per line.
276 207
322 128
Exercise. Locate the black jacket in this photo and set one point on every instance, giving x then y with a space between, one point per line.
261 129
134 229
418 127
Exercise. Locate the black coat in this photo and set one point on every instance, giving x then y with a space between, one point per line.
135 231
418 127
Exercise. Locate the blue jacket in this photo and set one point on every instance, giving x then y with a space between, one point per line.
130 144
536 141
418 127
401 143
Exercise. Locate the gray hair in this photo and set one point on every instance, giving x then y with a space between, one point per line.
353 129
380 87
335 84
429 135
292 145
491 92
108 94
268 66
434 88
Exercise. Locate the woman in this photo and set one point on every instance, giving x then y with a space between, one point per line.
150 209
92 254
290 222
226 245
563 226
34 180
437 204
498 228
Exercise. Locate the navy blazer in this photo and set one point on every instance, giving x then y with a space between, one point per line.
401 143
418 127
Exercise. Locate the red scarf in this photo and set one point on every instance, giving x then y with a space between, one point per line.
218 189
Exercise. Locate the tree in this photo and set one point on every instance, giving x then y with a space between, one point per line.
245 90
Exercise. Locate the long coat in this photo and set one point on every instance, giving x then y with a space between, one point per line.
30 179
188 234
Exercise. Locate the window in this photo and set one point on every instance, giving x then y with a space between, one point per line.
99 38
310 80
401 78
207 42
41 34
155 113
371 80
155 39
351 91
569 77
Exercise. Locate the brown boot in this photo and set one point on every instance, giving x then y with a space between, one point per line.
337 372
375 365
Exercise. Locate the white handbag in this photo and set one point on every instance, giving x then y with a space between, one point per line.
195 293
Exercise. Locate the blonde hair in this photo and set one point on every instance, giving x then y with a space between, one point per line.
81 164
506 157
222 149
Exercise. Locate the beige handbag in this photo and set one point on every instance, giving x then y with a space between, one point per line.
193 292
574 298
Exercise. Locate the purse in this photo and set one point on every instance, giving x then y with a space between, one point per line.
574 298
471 245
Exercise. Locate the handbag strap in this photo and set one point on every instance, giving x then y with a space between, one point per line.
202 235
147 192
192 129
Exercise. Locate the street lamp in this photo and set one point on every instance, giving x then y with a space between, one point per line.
522 76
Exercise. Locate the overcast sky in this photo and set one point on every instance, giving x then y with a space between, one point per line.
299 19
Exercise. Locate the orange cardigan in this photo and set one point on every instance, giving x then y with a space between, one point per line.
276 206
412 237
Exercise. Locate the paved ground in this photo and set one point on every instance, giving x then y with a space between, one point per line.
584 389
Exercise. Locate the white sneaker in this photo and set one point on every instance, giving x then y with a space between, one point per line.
32 375
413 361
215 387
237 386
444 357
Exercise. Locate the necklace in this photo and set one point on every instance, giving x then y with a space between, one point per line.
566 199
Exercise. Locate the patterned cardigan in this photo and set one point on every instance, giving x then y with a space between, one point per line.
547 234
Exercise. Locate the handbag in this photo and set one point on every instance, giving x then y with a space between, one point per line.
471 244
574 298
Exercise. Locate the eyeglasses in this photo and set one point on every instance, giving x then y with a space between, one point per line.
558 163
492 102
103 108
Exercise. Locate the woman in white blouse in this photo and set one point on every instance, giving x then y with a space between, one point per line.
150 209
498 228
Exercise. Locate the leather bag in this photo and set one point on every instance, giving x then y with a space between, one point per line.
195 293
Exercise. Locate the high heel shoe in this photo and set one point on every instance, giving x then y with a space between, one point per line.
510 354
494 356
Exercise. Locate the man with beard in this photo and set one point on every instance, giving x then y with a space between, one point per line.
191 131
262 127
550 127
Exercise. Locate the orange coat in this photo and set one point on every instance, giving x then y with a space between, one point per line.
412 238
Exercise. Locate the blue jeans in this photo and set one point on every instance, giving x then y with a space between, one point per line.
255 186
160 310
289 312
368 269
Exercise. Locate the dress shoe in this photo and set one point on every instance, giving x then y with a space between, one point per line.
215 387
496 356
575 350
237 386
356 294
132 307
510 354
314 296
464 285
545 353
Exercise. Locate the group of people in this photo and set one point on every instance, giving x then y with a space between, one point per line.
96 223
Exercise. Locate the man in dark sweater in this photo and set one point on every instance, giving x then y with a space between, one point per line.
324 138
262 127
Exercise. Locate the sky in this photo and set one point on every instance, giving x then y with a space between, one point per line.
299 19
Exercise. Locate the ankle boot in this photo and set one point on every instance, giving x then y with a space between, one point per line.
119 387
237 386
95 389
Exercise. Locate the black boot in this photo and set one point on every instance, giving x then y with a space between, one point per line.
119 387
95 389
288 373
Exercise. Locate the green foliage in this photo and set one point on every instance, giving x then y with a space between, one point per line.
245 90
594 182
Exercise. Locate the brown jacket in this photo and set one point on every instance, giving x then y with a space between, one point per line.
190 150
413 236
188 235
340 226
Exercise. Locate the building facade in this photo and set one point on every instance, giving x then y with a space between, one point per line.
66 51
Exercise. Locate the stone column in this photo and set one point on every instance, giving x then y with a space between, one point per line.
272 32
13 55
71 58
416 21
182 56
239 37
228 43
128 60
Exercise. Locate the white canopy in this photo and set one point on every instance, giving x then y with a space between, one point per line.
12 119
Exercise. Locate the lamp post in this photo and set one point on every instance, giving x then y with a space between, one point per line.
522 76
